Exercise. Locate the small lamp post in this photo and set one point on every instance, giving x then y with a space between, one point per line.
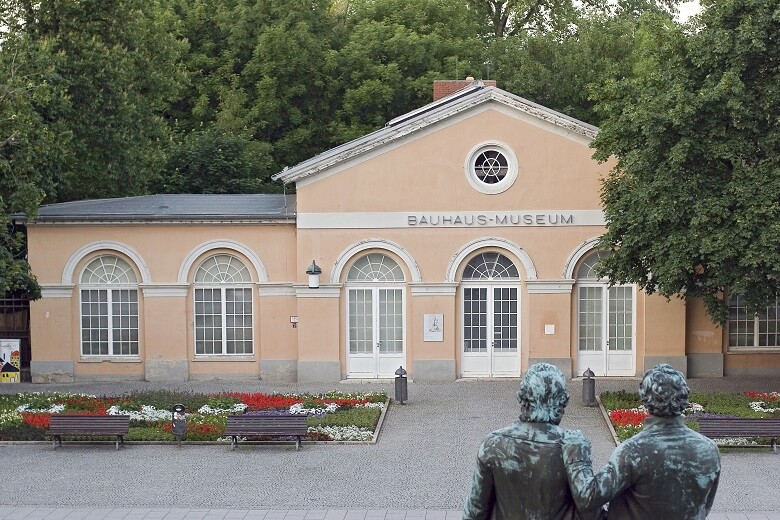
589 388
401 391
314 272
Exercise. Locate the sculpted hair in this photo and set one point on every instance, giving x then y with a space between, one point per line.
542 394
664 391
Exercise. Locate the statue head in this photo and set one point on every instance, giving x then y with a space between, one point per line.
663 391
542 394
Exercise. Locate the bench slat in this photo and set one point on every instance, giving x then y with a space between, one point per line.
718 428
117 425
266 425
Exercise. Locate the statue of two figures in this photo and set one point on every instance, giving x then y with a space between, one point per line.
534 469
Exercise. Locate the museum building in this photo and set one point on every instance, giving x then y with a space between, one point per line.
457 242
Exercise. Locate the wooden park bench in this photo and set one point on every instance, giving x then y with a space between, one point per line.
719 428
266 426
103 425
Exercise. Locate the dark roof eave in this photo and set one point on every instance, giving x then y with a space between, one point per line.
86 219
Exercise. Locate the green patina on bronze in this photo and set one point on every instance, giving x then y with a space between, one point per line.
666 471
520 472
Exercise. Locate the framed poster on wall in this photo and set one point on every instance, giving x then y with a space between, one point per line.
433 329
10 361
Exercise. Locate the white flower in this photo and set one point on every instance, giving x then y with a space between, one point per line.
298 409
370 405
760 406
55 408
208 410
344 433
145 414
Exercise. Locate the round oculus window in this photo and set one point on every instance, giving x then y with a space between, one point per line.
491 168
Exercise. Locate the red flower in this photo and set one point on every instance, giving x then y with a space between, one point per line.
762 396
260 401
37 420
624 417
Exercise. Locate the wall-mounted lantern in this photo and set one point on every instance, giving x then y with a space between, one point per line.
314 272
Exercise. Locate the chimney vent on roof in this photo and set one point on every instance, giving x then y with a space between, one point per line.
445 87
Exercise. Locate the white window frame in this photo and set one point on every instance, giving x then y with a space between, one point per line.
757 320
498 187
98 276
223 280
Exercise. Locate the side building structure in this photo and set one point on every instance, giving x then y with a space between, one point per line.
459 241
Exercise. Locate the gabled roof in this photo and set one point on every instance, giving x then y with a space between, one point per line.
211 207
469 97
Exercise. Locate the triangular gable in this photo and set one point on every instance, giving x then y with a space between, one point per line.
426 116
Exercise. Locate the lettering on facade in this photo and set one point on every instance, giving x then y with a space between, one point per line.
490 219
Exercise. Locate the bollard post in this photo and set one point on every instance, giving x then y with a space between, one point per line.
589 388
401 390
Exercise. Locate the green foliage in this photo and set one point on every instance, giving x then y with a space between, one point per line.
21 432
726 404
146 434
216 161
626 432
222 401
165 399
360 417
692 203
613 400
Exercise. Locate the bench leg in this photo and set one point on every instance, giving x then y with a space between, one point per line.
233 443
117 442
298 443
774 444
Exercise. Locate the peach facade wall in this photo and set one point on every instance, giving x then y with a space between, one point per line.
555 172
158 253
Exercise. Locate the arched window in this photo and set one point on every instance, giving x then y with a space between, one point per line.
490 266
109 308
223 307
587 269
375 267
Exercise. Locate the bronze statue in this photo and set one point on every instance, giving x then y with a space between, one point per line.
520 472
666 471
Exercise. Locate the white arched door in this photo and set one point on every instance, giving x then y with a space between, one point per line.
375 317
605 323
491 317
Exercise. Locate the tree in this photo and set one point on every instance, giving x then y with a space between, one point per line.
693 202
32 148
117 64
557 67
217 161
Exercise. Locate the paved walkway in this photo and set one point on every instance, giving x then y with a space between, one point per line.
419 470
66 513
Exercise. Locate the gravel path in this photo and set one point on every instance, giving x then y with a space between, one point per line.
423 460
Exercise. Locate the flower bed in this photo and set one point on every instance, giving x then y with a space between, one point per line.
334 416
627 414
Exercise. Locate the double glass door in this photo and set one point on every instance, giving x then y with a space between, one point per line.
606 330
375 319
490 332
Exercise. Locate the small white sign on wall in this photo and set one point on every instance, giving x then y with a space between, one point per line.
433 327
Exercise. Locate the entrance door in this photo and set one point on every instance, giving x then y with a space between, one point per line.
605 325
490 318
490 332
375 319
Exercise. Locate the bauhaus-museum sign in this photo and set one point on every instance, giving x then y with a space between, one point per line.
443 219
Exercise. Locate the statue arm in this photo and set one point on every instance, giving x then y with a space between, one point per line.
713 490
591 491
479 505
